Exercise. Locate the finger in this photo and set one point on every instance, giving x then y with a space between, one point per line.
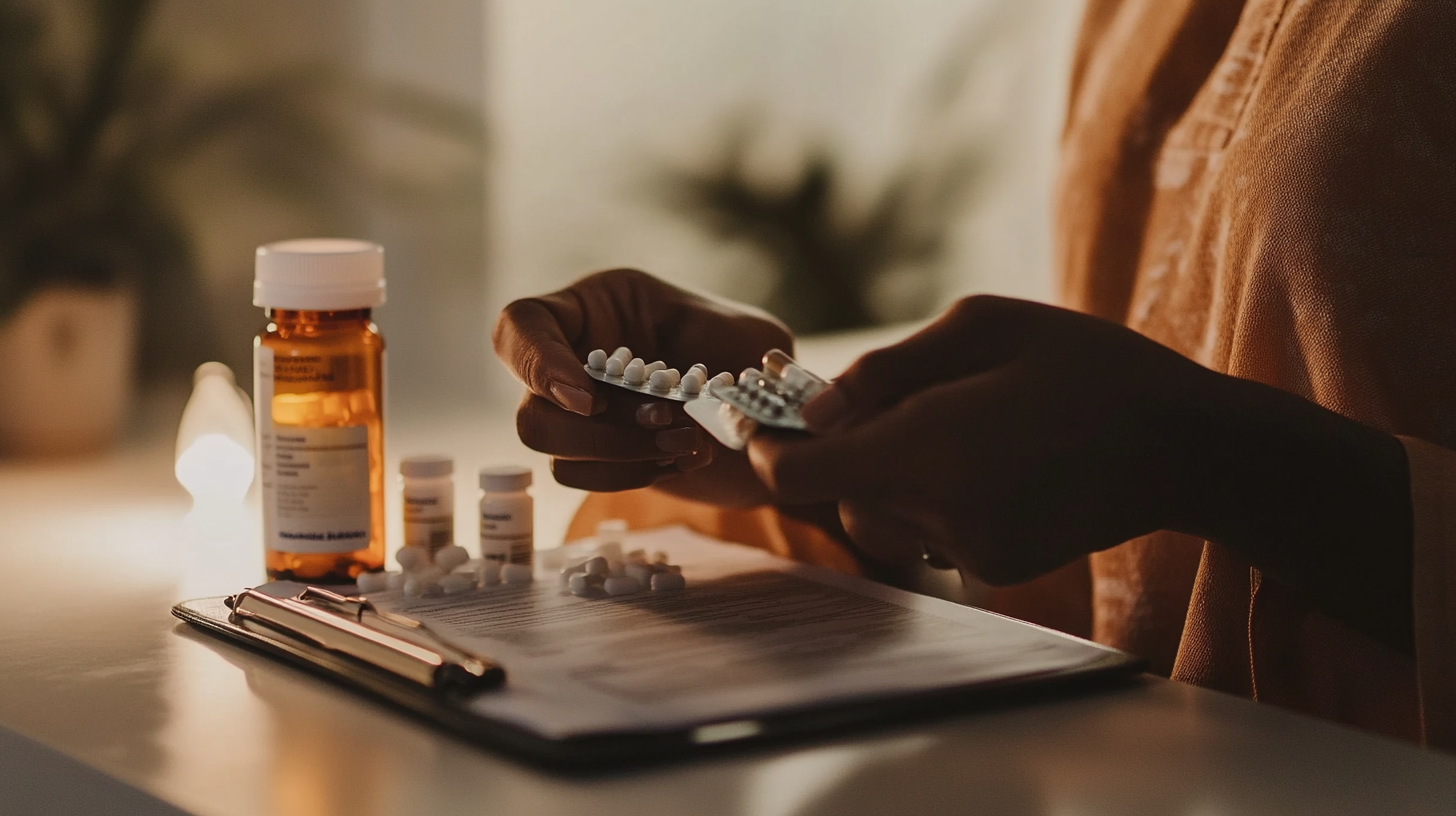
887 537
531 338
970 337
613 435
800 469
611 477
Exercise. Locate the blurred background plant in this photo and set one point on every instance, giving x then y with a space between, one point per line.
836 265
98 123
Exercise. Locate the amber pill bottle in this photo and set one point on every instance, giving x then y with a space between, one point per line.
318 392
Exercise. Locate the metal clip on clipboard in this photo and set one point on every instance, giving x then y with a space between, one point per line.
353 626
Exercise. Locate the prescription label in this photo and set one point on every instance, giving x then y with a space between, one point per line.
320 489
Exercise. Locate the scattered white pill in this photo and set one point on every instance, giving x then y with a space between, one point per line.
574 569
457 583
667 582
635 372
395 581
597 360
373 582
660 381
412 558
517 574
656 365
622 353
430 575
588 586
615 567
414 588
597 566
490 573
614 367
450 558
621 585
692 383
641 572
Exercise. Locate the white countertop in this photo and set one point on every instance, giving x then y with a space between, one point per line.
92 665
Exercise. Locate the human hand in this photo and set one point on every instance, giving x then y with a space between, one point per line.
606 439
1010 438
1007 438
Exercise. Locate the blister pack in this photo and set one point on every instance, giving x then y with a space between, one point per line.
731 410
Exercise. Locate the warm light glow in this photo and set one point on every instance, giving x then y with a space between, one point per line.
215 470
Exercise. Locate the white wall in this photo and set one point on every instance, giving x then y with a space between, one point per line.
585 95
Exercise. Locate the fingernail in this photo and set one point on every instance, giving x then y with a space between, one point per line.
826 410
678 440
654 414
572 398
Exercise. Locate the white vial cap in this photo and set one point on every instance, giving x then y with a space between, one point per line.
505 478
319 274
426 467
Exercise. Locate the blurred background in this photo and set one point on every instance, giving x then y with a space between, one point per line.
847 164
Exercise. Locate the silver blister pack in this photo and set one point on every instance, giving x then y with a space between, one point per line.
731 410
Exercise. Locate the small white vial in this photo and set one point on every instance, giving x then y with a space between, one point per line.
429 501
507 532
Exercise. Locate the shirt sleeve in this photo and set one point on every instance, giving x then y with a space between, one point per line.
1433 505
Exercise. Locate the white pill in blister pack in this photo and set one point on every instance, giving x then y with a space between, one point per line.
620 368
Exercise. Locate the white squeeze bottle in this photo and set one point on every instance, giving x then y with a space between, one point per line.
506 511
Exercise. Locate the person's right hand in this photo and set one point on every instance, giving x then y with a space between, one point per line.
604 438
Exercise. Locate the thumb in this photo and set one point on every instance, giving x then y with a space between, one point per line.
530 339
970 337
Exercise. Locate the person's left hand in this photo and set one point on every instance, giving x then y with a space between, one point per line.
1008 438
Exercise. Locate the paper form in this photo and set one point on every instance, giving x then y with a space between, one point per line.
752 634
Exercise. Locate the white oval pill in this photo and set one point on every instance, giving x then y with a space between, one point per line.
457 583
430 575
451 557
622 585
373 582
660 381
489 573
614 367
656 365
414 588
412 558
622 353
634 373
597 566
676 377
667 582
700 368
395 581
597 360
517 574
641 572
725 378
692 383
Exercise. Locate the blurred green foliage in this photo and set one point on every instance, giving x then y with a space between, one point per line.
96 121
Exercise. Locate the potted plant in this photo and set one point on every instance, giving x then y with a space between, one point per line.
94 130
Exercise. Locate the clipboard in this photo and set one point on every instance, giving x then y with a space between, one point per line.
756 650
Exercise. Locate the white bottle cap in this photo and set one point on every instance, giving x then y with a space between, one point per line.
505 478
426 467
319 274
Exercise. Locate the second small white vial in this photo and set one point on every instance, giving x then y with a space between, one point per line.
429 501
507 530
